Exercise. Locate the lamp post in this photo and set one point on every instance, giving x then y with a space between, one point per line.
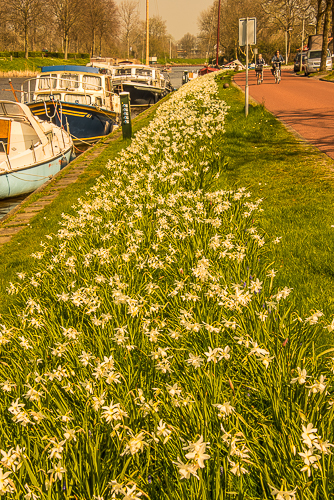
302 47
286 45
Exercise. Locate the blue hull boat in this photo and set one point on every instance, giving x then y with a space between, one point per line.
79 98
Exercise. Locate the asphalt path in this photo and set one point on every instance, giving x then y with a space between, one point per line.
306 104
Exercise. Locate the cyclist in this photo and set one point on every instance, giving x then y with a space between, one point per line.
260 62
276 59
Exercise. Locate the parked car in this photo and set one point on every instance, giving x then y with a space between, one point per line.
313 59
296 66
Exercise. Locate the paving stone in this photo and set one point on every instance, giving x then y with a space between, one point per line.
4 239
18 222
40 204
49 197
32 211
22 217
6 231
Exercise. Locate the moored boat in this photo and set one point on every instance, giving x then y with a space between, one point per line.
188 76
31 151
145 84
77 97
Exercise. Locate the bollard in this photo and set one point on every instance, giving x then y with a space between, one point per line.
126 115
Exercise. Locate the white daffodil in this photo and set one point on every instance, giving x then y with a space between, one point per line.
302 376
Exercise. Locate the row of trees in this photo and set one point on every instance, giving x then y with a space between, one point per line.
280 24
99 27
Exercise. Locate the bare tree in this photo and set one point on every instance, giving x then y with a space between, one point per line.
158 36
24 14
99 22
231 12
129 19
188 43
67 14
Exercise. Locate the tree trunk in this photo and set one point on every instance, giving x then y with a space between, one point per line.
93 42
325 35
288 45
66 46
26 43
319 17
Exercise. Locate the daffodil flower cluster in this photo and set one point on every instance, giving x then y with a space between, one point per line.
150 320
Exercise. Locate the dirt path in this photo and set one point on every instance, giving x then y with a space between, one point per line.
306 104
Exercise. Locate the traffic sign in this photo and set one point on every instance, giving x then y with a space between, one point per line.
247 31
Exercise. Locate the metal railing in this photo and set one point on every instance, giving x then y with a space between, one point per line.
4 146
28 93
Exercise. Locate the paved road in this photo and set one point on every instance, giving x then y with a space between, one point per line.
306 104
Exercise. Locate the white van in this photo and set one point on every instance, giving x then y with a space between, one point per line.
313 60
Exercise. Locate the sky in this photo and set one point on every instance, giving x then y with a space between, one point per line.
180 15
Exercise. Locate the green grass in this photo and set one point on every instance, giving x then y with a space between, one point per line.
35 63
14 256
296 183
328 76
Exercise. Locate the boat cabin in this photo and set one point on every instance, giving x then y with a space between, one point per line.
137 74
72 84
19 131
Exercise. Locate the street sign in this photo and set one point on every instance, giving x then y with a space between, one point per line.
247 31
126 115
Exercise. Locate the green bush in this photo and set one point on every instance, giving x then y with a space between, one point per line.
35 54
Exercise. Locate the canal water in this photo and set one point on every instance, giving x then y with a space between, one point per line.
175 76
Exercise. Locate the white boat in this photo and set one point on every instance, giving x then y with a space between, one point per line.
188 76
77 97
145 84
31 151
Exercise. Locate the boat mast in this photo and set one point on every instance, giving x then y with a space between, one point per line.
147 33
218 30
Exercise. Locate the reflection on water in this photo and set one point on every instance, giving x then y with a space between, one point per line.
7 205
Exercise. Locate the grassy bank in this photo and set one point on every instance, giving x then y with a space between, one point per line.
150 351
26 67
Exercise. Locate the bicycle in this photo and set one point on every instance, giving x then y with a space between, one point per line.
259 73
277 72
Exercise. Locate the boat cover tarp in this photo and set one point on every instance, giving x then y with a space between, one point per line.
81 69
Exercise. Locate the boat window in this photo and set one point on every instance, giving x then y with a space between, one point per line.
12 108
78 99
91 82
47 82
67 80
4 135
98 101
48 97
144 72
123 71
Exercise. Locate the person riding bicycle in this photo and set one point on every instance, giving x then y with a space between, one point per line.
259 63
277 59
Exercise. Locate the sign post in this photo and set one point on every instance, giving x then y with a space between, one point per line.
247 36
126 115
